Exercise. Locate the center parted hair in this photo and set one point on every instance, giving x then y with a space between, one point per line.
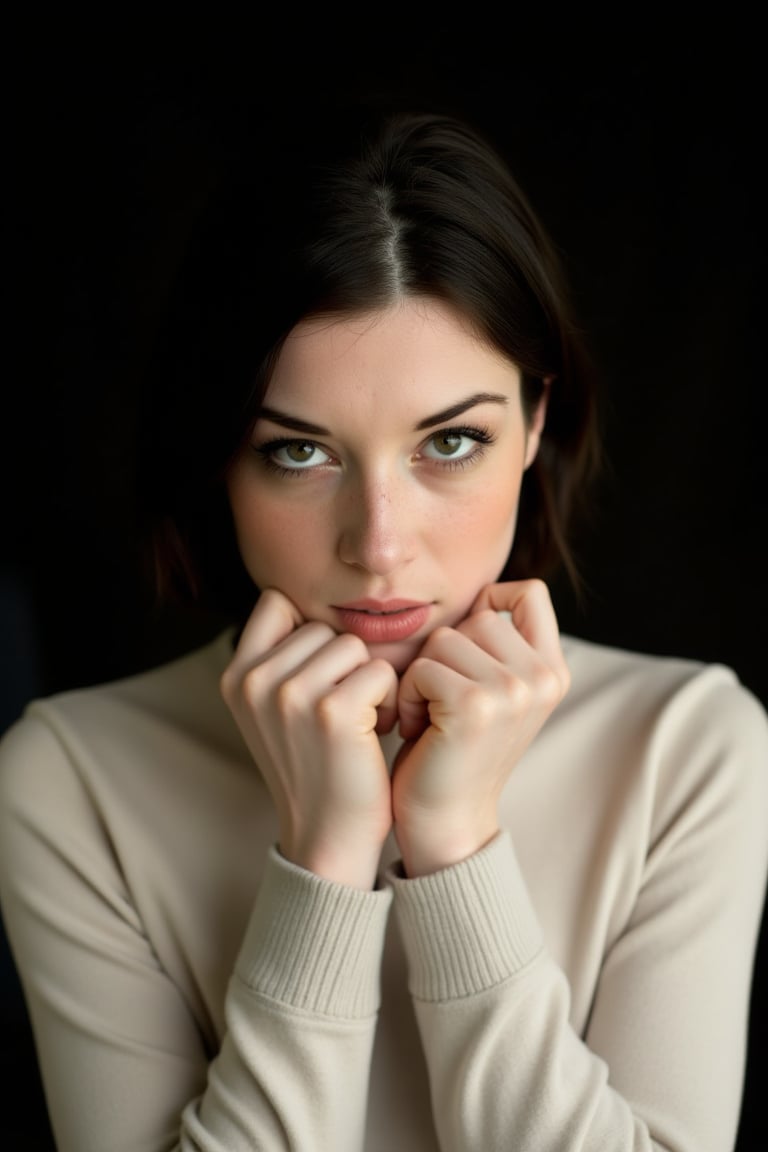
347 220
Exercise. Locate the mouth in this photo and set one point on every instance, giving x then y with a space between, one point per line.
382 621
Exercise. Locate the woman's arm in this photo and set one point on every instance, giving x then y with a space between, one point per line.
301 1011
123 1058
661 1063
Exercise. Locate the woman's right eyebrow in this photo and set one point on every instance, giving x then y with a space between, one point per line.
293 423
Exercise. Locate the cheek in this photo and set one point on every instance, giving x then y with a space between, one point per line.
272 537
483 528
480 538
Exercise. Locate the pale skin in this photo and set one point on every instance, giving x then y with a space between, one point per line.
387 465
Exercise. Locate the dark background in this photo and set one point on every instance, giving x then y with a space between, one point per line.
642 149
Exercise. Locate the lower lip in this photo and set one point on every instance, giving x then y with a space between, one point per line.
386 628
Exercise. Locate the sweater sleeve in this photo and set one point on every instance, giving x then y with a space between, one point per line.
113 1029
301 1010
661 1063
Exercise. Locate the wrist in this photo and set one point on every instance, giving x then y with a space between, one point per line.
437 846
340 862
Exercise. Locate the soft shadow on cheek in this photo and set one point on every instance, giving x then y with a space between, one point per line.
482 547
283 551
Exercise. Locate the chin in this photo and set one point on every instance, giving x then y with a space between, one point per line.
399 654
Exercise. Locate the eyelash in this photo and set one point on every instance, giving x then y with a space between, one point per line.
482 436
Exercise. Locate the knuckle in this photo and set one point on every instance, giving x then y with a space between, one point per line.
478 707
517 692
352 645
289 696
440 638
269 596
318 631
252 686
417 666
328 715
537 590
485 622
548 686
236 685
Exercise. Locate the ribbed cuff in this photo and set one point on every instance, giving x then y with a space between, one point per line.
469 927
313 944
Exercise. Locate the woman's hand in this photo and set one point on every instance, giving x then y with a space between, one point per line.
309 703
469 705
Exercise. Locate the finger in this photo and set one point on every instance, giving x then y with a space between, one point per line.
532 614
294 652
500 640
363 697
424 695
478 651
547 676
463 650
311 662
387 713
273 618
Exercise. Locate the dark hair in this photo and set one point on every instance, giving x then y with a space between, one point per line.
409 205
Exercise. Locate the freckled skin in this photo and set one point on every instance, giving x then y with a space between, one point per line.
377 511
386 467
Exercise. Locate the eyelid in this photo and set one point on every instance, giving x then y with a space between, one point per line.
481 435
269 448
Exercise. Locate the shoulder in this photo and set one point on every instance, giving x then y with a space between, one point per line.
91 731
691 728
653 686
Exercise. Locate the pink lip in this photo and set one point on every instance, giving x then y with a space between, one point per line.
403 618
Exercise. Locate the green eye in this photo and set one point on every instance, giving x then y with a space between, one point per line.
299 451
451 444
447 443
292 456
455 447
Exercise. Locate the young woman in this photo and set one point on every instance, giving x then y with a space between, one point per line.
390 863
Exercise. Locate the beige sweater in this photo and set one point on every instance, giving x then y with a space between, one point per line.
580 984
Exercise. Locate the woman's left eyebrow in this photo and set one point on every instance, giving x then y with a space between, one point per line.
462 406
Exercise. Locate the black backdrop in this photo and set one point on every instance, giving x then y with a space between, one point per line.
642 151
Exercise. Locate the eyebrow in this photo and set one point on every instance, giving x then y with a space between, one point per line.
462 406
295 424
291 422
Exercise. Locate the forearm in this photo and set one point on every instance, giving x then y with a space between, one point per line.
301 1012
506 1067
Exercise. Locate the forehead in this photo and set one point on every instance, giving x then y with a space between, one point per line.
418 354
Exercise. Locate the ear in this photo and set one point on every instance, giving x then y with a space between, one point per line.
536 426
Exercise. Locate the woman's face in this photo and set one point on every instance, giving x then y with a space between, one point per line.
380 487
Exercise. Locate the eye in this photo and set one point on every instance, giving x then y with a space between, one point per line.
293 455
450 444
455 444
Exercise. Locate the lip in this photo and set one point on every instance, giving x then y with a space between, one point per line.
400 619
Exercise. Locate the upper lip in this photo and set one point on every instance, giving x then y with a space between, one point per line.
367 604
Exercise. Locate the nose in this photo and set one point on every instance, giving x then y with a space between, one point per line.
374 533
